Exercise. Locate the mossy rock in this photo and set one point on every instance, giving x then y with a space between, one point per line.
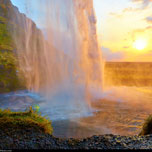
29 119
147 126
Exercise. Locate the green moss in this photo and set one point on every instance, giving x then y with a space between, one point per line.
24 120
9 80
7 59
6 42
3 20
147 126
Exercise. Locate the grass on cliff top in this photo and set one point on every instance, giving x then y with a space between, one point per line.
23 120
147 126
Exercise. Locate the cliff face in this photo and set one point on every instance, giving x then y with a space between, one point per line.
10 22
5 38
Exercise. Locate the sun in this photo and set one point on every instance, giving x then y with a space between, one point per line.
140 44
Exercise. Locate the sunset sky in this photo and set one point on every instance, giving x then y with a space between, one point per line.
124 28
122 23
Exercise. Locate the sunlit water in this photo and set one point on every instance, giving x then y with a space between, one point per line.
119 110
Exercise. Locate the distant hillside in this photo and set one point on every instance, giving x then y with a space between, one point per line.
128 74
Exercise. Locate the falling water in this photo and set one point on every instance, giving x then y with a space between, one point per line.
65 61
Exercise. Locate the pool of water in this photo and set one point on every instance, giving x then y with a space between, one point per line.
119 110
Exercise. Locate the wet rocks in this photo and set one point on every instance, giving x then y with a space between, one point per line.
36 140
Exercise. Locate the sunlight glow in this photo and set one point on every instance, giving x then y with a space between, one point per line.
140 44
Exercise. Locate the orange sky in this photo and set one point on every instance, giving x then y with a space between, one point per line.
123 24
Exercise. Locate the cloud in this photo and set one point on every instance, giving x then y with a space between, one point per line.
126 47
130 9
108 55
116 15
149 19
140 31
145 3
149 27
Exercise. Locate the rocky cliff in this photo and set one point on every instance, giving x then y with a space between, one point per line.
11 21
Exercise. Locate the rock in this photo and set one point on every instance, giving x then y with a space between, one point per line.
26 139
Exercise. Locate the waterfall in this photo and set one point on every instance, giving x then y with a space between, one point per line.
65 57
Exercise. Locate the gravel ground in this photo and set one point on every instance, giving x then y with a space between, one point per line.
32 139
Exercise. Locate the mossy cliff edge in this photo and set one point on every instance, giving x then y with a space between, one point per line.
10 20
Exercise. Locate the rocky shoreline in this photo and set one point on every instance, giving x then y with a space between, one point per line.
31 139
